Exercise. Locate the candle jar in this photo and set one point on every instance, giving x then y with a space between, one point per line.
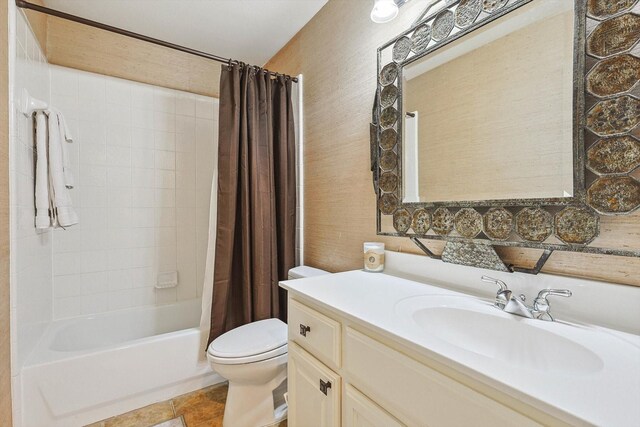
373 257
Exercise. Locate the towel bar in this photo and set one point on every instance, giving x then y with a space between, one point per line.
29 104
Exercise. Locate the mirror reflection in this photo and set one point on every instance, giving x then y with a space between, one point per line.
490 116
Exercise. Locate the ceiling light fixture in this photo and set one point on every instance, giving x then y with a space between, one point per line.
384 11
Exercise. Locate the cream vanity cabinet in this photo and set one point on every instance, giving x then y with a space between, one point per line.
340 376
315 390
314 387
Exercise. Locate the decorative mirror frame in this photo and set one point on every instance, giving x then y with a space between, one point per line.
606 147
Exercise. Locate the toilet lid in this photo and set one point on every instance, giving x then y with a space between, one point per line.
253 339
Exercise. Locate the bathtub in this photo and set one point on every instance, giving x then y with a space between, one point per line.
89 368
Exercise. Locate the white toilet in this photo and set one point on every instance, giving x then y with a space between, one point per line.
253 358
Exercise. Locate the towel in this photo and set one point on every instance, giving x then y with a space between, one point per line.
63 213
66 138
43 219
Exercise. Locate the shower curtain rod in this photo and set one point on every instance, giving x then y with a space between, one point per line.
58 14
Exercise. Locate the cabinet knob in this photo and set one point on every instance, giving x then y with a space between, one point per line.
304 329
324 386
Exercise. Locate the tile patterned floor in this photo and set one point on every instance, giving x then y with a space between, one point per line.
201 408
176 422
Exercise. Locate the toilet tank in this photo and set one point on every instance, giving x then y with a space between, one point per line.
304 271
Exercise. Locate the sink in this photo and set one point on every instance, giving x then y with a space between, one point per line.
477 327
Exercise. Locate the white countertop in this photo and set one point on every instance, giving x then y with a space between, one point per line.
608 396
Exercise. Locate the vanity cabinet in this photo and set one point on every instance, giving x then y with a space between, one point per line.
340 376
360 411
314 391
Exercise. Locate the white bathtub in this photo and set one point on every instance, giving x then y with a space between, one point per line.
90 368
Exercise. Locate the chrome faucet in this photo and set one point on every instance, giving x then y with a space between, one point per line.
505 300
540 309
541 304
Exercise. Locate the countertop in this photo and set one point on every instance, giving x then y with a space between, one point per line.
607 396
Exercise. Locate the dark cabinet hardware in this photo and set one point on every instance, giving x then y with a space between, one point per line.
304 329
324 386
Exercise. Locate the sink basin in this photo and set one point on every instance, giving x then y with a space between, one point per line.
476 326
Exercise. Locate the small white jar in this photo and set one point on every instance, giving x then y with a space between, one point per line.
373 257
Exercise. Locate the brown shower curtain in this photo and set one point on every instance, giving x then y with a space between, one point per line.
256 222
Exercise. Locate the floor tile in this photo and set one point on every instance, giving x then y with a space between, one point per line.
203 407
176 422
143 417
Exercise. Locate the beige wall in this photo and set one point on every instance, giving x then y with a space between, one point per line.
336 52
39 24
85 48
5 349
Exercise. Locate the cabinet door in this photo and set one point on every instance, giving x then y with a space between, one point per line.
418 395
359 411
314 391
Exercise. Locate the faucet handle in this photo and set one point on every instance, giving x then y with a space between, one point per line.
503 286
559 292
504 294
541 303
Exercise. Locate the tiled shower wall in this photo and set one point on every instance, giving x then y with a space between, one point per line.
143 160
31 280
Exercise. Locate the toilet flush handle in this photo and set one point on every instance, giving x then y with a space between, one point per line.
304 329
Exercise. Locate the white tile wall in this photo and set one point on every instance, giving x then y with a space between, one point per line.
30 249
30 276
143 161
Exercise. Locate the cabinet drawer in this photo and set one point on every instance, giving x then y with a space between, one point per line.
416 394
360 411
315 332
314 391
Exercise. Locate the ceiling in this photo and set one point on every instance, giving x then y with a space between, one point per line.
251 31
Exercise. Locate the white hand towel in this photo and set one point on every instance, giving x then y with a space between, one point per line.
64 214
64 127
66 138
43 220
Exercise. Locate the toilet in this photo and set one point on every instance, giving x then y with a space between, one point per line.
253 358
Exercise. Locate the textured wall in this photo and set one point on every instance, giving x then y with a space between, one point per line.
85 48
38 23
336 52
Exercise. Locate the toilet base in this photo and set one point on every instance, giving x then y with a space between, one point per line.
251 405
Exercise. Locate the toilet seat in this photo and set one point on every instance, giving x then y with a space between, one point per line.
248 359
254 342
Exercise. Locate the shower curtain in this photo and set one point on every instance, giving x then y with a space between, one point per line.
256 200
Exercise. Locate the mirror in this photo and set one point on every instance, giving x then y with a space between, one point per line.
489 116
509 123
